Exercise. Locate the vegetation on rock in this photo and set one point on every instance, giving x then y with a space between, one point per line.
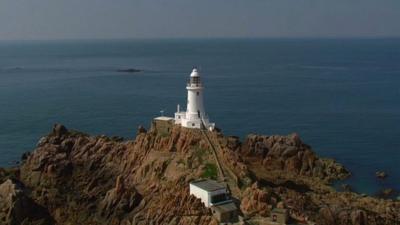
210 171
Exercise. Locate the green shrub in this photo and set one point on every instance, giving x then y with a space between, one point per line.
210 171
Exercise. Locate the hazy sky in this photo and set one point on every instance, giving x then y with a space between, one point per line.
81 19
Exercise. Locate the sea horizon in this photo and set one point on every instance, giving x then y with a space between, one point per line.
282 38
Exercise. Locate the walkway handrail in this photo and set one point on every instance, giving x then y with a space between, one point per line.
221 172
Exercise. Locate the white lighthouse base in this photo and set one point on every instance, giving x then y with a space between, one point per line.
193 121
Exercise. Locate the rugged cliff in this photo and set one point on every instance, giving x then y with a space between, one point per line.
74 178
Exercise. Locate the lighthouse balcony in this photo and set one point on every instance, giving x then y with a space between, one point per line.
194 86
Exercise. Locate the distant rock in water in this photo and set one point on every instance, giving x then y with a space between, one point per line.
131 70
381 174
13 68
387 193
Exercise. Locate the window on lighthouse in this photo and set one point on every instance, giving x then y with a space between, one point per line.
197 93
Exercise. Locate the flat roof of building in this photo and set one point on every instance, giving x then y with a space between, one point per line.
226 207
208 185
164 118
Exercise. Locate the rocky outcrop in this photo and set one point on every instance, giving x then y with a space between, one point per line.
17 208
99 180
74 178
119 200
290 154
258 201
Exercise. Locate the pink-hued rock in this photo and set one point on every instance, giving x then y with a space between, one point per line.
80 179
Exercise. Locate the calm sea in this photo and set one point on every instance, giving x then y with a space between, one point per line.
341 96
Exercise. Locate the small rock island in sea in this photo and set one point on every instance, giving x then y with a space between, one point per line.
130 70
158 178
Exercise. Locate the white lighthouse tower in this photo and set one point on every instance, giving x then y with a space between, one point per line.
195 115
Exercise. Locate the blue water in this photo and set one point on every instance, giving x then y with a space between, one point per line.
341 96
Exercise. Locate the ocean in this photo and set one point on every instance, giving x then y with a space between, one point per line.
342 96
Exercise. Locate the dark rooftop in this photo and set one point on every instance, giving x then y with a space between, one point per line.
226 207
208 185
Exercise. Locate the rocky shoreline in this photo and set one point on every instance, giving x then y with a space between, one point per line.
75 178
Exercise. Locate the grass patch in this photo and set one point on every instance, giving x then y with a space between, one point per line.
210 171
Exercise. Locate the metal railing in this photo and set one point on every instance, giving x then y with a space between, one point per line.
194 84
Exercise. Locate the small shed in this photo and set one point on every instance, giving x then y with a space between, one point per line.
279 216
210 192
163 124
215 196
226 212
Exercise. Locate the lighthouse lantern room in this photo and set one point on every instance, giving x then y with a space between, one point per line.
195 116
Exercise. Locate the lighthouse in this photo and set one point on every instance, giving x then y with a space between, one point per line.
195 115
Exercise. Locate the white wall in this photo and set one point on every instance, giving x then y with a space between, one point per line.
203 195
194 102
179 116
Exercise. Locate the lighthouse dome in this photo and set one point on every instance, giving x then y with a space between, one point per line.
194 73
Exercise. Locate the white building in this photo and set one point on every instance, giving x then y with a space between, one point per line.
210 192
195 115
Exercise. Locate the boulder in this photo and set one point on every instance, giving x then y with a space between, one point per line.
387 193
59 130
359 217
42 141
381 174
17 208
346 187
117 138
290 151
25 156
141 130
233 142
294 139
256 201
327 216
